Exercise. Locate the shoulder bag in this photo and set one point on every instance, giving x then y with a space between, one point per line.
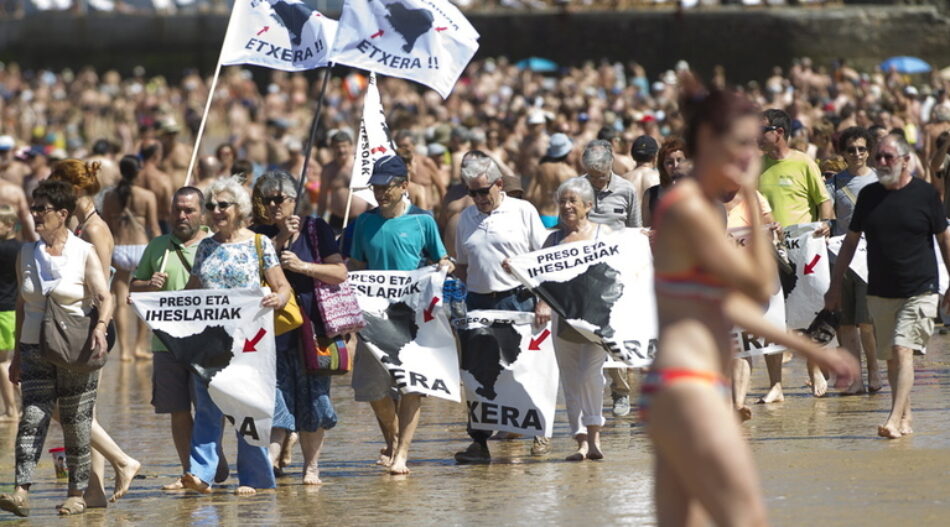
289 317
338 306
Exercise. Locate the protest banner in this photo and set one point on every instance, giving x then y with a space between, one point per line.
373 143
859 263
407 329
602 288
286 35
227 340
805 289
747 344
509 371
426 41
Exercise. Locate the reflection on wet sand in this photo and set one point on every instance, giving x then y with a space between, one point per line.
818 458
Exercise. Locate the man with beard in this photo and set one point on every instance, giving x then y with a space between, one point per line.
166 266
899 216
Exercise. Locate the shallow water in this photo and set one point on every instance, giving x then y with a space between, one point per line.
820 462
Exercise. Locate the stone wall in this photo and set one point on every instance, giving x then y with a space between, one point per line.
748 42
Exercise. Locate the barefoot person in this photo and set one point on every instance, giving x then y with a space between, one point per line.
303 400
62 267
702 462
89 226
899 215
9 249
229 260
553 170
396 236
132 215
580 361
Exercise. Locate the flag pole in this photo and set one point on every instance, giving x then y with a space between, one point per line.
349 201
313 136
204 120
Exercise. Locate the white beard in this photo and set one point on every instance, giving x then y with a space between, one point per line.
888 176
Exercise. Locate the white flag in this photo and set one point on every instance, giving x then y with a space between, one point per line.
374 142
285 35
805 290
427 41
227 339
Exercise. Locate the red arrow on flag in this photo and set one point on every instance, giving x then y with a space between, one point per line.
535 343
249 344
380 149
810 268
441 28
262 31
377 34
427 313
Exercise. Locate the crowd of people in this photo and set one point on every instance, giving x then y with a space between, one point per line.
94 196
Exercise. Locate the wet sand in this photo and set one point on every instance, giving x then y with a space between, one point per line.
820 461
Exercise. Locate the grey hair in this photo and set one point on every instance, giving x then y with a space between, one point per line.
598 155
899 142
477 136
233 186
276 181
578 185
476 164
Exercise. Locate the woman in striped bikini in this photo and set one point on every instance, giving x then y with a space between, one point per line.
702 280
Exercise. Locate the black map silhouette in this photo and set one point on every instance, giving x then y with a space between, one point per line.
788 279
392 333
206 353
578 297
292 16
486 352
410 23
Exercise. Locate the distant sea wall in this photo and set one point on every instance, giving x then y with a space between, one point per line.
746 41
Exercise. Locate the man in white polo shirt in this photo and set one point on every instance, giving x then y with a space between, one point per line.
492 230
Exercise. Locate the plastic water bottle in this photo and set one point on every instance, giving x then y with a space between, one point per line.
454 293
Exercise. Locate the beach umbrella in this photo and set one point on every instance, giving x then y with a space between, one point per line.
537 64
905 65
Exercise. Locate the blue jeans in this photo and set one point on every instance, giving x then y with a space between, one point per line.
253 462
523 301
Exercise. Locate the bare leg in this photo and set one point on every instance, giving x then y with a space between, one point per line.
741 378
182 423
869 343
819 385
409 410
674 506
385 410
582 448
900 371
593 443
142 341
773 363
697 437
311 443
287 450
8 392
95 494
277 436
125 466
848 339
124 324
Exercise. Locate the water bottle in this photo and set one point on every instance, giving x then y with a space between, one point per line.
454 293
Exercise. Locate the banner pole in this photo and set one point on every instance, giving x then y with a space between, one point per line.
204 120
313 137
349 201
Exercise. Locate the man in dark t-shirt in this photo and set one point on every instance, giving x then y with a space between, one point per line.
900 216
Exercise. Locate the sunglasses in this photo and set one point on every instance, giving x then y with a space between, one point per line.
885 157
36 209
483 192
767 129
223 205
855 150
274 200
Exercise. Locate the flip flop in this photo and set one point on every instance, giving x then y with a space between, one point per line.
16 504
72 506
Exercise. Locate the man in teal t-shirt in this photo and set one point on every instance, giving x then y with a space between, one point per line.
166 266
396 236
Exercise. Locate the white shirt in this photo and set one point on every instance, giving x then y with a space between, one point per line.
484 241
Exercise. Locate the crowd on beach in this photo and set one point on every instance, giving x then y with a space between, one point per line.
94 190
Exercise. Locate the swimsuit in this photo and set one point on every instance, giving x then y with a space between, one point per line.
657 379
126 257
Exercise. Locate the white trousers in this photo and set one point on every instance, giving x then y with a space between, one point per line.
582 378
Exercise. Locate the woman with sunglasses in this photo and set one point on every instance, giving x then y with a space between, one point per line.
228 260
67 270
303 401
671 155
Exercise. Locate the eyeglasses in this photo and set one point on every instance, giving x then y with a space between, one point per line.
274 200
480 191
883 156
223 205
36 209
767 129
855 150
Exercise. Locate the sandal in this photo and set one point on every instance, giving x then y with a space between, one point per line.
72 506
18 505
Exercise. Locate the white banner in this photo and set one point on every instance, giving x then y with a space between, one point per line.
805 290
745 343
285 35
227 339
374 142
408 331
509 371
859 264
602 288
426 41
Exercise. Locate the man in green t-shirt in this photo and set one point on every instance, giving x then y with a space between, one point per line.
794 188
166 266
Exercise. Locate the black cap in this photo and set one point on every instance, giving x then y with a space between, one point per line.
644 146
